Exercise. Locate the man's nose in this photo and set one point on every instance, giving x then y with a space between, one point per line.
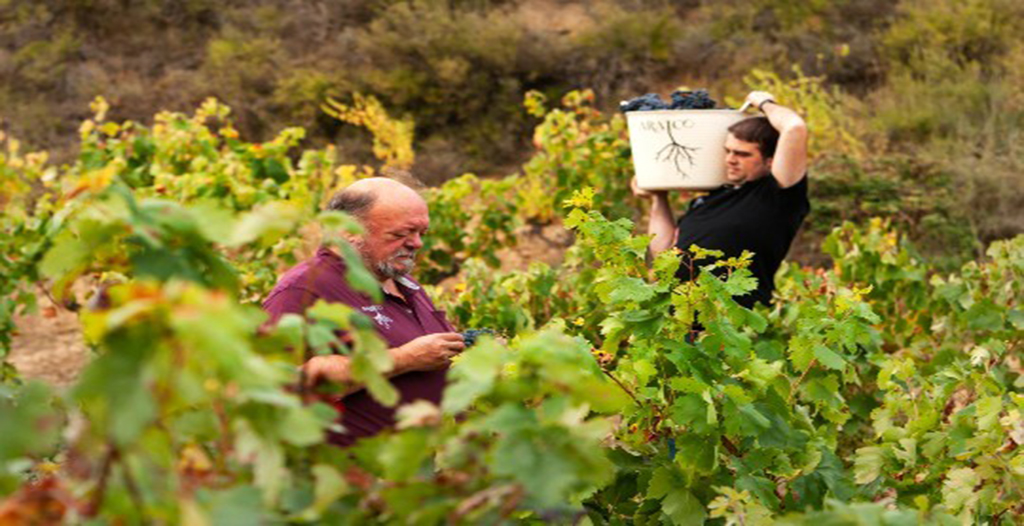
414 241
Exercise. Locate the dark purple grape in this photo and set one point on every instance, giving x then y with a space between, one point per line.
681 100
692 100
470 335
648 102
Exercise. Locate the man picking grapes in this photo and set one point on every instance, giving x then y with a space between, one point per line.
761 207
421 340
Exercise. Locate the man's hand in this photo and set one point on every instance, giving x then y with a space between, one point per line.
428 353
331 368
649 194
645 194
758 98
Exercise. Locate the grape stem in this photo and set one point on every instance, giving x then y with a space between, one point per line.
656 408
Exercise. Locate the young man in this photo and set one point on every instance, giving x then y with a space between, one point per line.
420 339
761 207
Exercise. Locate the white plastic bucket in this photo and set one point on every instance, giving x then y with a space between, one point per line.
680 149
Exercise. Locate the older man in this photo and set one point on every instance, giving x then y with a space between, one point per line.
421 340
760 209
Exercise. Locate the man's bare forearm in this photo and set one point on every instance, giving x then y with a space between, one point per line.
661 225
337 369
782 118
790 162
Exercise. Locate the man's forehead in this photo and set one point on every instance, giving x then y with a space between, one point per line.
400 211
732 143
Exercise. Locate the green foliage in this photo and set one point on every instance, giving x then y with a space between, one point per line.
23 227
577 148
31 431
822 109
470 218
918 199
392 138
878 390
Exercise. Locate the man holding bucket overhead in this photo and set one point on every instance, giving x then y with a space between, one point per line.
760 207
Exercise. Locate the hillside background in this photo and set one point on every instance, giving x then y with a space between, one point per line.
925 97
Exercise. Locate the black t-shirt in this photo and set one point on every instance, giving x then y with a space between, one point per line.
758 216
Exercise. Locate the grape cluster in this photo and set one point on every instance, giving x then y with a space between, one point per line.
692 100
681 100
648 102
470 335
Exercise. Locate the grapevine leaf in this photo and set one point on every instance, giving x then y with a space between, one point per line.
683 508
828 476
663 480
688 384
984 315
27 420
743 419
237 506
213 221
988 410
356 273
823 392
665 266
536 462
958 489
1016 317
867 465
691 410
644 371
403 453
626 289
801 353
67 254
289 328
582 198
302 428
367 366
337 313
906 452
760 372
781 432
828 357
473 375
115 379
266 223
740 283
329 486
697 453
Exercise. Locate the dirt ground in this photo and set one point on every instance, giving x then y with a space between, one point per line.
49 345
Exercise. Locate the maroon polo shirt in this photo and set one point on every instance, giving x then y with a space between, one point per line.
397 319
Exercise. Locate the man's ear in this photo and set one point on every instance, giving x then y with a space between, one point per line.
353 239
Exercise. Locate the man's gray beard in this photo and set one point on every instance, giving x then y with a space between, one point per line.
385 269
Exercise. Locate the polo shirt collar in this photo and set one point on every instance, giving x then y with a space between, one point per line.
407 283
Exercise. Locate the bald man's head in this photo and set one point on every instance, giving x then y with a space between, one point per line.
360 197
395 218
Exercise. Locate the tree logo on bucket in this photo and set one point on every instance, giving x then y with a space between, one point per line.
675 152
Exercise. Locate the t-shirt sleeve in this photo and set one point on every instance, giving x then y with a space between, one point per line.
292 300
795 195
